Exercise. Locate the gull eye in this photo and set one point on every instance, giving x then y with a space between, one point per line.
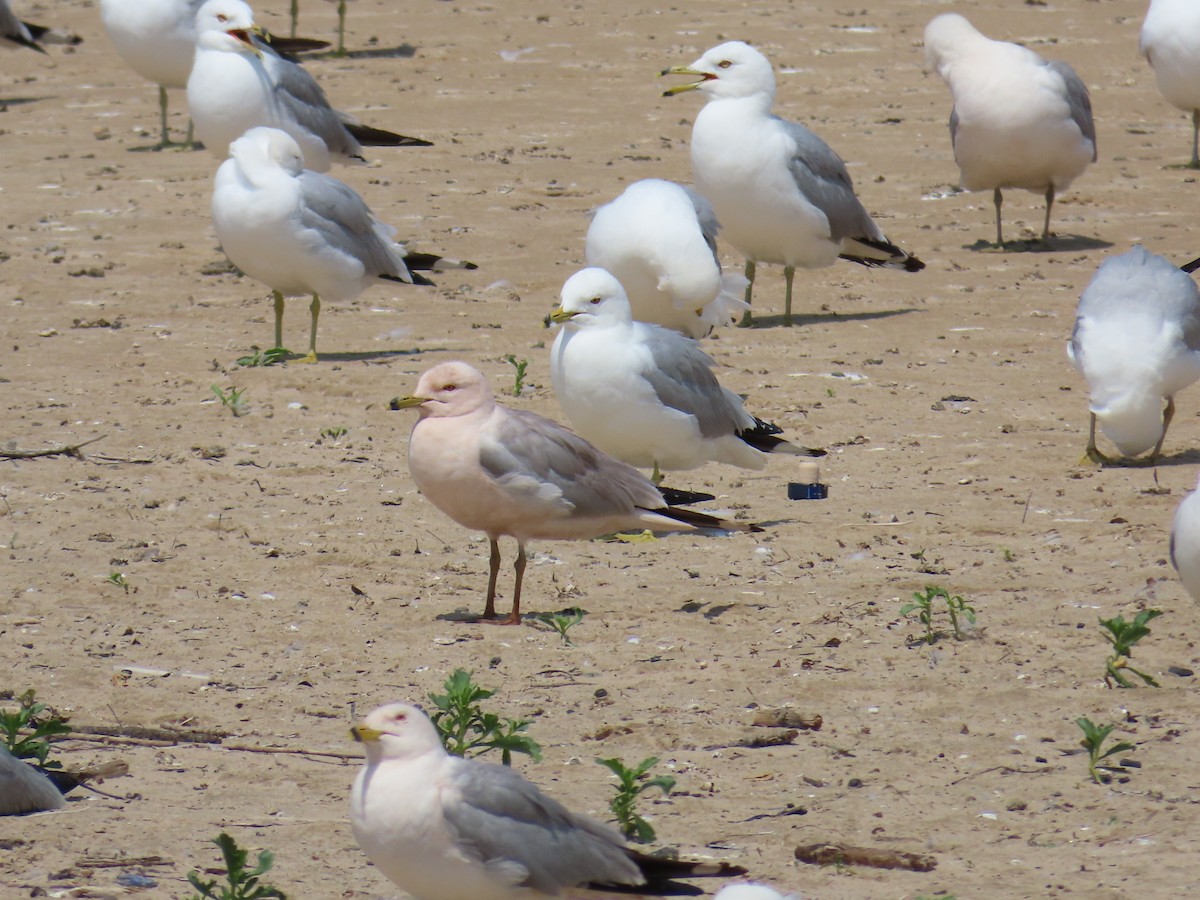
450 388
400 717
724 64
594 301
221 17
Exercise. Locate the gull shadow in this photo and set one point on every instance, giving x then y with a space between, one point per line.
6 102
799 320
1057 244
403 51
173 147
1182 458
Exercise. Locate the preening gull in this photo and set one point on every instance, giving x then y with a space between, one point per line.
238 83
1018 121
23 789
1185 543
15 33
780 192
302 232
646 394
446 828
1137 342
511 472
1170 41
660 240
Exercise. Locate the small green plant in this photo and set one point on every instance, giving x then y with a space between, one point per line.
561 622
259 357
465 728
243 882
631 784
519 378
39 721
334 433
1094 737
1122 635
233 399
956 607
119 579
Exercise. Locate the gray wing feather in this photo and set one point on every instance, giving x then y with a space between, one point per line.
500 816
335 210
682 378
1078 100
23 789
302 98
821 176
707 217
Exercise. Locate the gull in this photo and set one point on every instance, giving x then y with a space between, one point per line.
511 472
750 891
660 240
341 45
238 83
15 33
1185 543
302 232
1137 342
646 394
780 192
1170 41
446 828
23 789
1018 121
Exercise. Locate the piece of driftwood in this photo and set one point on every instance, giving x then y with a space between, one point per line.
145 733
845 855
63 450
788 718
754 740
175 738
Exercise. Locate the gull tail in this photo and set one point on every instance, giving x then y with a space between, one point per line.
287 47
42 35
879 253
677 497
764 436
703 520
377 137
34 31
413 278
429 262
660 872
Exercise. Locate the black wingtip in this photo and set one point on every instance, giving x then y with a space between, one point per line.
1191 267
677 497
32 45
377 137
413 278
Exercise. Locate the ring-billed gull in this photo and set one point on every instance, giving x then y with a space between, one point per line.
647 394
237 83
749 891
1185 543
157 39
1137 342
511 472
446 828
780 192
15 33
302 232
1170 41
1018 121
660 240
23 789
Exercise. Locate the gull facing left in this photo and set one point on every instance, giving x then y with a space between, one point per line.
302 232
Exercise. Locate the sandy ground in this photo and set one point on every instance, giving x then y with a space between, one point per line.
277 575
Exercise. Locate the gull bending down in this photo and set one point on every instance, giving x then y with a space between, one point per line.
1018 121
780 193
1137 342
511 472
647 394
1170 41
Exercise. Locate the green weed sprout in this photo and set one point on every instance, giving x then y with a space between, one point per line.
30 716
1094 737
956 607
1122 636
519 378
119 579
631 784
334 432
561 622
233 399
465 728
243 882
260 357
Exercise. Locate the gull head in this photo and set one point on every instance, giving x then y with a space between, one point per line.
592 295
448 389
948 37
262 146
732 70
396 731
227 25
1133 421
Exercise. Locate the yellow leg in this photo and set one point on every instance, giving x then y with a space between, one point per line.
998 199
1195 163
278 320
341 50
747 318
1093 453
165 140
295 15
1168 415
315 309
1049 206
789 272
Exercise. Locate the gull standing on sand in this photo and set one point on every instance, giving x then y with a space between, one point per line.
446 828
511 472
238 83
660 241
1018 121
1170 41
1185 543
302 232
646 394
1137 342
780 193
15 33
23 789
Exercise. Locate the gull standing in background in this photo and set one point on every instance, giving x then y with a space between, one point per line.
1185 543
660 241
647 394
238 83
303 232
508 472
1137 342
1170 41
1018 121
780 193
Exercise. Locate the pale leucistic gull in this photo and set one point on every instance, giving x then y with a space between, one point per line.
1137 343
750 891
446 828
1018 121
15 33
1185 543
646 394
23 789
660 240
238 83
302 232
157 39
512 472
1170 41
780 192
